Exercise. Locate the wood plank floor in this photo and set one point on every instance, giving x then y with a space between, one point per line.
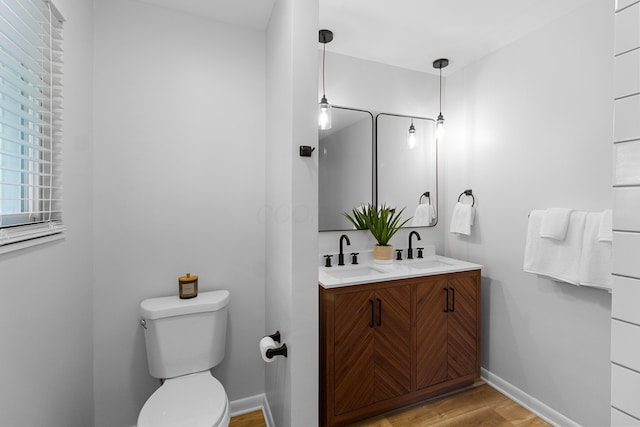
481 405
250 419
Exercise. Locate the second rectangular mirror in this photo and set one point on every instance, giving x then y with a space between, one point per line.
407 167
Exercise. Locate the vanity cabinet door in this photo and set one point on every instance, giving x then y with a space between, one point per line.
366 348
392 372
431 333
372 353
462 340
353 351
447 328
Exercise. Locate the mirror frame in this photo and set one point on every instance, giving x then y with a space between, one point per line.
375 169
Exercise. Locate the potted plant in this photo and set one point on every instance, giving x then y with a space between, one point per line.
382 222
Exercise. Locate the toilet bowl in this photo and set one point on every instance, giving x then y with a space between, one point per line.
195 400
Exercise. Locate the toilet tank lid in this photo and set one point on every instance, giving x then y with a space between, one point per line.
158 308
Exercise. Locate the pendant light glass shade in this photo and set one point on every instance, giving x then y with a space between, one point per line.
324 116
411 136
440 64
440 126
324 108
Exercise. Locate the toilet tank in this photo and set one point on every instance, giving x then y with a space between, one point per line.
184 336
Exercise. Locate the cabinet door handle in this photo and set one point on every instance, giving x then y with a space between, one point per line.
453 300
379 312
371 323
446 302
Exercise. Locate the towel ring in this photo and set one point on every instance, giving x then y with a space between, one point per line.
425 194
468 193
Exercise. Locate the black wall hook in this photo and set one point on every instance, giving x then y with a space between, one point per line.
306 150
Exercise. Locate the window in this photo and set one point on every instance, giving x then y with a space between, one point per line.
30 121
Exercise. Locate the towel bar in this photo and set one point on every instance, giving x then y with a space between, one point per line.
468 193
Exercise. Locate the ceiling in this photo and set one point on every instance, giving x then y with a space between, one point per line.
405 33
413 33
247 13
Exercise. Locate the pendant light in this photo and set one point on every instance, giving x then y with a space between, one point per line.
324 117
440 64
411 135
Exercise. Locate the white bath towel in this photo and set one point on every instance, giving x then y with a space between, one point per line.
555 223
555 259
462 219
605 230
531 242
424 215
595 262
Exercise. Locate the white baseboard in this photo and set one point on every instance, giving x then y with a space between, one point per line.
545 412
252 403
248 404
266 411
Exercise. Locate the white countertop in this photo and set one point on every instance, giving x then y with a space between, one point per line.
370 272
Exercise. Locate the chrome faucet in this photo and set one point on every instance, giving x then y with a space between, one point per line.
410 250
341 256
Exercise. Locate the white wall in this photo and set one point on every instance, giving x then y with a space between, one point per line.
278 177
179 187
380 88
529 127
45 309
291 295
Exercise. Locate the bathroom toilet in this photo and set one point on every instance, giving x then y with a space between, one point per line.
184 339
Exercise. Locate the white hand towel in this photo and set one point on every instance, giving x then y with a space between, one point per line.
555 223
555 259
605 229
462 219
423 216
595 262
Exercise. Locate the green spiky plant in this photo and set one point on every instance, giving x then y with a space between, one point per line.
382 222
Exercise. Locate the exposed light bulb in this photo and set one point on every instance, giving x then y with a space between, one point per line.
440 127
324 118
411 137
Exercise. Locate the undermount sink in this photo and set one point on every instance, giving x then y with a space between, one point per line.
426 264
345 273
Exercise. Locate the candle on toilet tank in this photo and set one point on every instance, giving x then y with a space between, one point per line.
188 286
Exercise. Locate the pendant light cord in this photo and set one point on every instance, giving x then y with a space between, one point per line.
440 90
324 49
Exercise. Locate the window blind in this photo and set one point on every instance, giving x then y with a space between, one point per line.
30 120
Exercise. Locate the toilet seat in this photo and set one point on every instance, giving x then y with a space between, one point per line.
195 400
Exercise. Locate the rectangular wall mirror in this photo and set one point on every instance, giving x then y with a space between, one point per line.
345 167
407 171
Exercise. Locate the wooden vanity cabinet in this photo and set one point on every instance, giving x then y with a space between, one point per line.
389 344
